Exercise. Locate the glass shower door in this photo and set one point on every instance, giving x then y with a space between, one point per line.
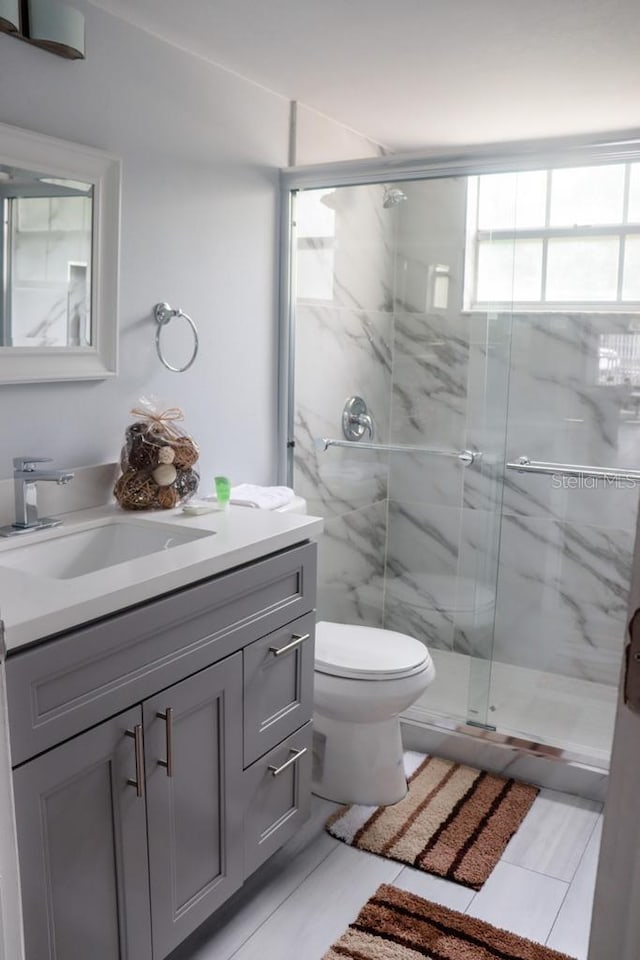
566 530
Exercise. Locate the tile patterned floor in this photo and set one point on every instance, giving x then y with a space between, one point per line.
301 900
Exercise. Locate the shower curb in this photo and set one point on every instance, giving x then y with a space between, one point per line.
525 760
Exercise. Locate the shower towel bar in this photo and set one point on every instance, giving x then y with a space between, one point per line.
525 465
466 457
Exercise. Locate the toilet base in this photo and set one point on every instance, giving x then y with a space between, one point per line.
358 762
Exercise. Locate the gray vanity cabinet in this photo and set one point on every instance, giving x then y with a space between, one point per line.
161 754
193 759
170 770
83 848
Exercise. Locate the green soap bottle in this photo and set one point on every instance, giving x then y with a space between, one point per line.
223 491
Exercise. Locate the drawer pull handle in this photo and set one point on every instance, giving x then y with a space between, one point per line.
296 756
138 783
295 642
167 716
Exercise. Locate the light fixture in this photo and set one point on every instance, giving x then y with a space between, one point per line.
54 26
9 16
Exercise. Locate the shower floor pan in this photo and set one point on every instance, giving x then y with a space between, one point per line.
569 715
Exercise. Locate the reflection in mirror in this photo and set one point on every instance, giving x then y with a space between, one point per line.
45 253
59 236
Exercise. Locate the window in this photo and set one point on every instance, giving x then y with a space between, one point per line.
554 239
316 228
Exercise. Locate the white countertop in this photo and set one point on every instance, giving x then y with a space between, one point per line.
33 606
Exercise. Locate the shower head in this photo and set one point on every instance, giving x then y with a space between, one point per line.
392 197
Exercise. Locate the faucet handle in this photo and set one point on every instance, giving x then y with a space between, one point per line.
27 463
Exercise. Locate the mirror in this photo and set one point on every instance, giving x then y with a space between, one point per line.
59 205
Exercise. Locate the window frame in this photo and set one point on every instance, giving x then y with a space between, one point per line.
475 236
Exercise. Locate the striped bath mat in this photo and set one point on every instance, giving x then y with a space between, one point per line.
396 925
455 821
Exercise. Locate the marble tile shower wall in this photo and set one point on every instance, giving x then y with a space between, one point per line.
550 563
566 550
343 347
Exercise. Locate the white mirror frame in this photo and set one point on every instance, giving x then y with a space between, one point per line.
72 161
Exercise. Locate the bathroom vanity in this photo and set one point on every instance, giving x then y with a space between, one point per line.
161 751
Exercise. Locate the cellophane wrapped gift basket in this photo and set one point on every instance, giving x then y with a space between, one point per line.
157 460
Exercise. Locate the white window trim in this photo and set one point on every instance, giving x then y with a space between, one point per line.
475 235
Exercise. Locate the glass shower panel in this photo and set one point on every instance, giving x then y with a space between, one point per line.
379 314
343 328
566 542
448 391
428 411
470 314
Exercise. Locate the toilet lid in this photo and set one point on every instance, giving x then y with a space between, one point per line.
367 653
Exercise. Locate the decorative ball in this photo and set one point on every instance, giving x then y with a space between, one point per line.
166 455
135 490
136 428
186 453
165 474
142 449
187 483
167 497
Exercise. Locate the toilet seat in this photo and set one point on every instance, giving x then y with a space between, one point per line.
367 653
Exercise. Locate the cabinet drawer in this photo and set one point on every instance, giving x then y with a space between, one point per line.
278 792
278 686
72 682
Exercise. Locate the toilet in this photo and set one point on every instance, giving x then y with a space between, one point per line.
364 678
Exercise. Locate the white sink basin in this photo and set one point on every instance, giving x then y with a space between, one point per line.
73 553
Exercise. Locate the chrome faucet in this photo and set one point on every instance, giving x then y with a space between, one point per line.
26 476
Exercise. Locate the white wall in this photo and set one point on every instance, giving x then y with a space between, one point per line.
201 150
319 139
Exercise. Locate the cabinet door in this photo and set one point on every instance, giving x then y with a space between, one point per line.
83 848
193 748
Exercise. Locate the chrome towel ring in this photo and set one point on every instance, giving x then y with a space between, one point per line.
162 314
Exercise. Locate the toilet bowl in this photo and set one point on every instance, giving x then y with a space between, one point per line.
364 678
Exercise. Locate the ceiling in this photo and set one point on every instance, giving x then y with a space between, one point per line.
415 73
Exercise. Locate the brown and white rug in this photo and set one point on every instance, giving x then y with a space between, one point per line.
455 821
396 925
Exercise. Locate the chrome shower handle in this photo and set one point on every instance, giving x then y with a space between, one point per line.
356 419
362 420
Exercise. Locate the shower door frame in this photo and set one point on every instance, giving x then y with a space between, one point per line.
605 148
614 147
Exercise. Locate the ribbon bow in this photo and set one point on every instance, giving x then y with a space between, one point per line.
161 422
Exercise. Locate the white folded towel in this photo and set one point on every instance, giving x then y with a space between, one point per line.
265 498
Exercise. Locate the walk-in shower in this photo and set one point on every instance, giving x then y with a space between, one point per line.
490 325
